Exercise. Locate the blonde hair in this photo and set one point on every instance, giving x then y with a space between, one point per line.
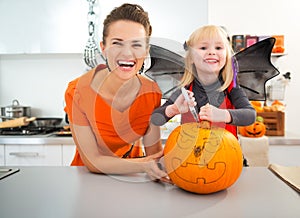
205 32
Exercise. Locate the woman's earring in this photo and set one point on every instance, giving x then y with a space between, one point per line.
106 62
142 69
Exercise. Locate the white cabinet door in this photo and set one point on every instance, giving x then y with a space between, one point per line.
33 155
68 154
287 155
2 163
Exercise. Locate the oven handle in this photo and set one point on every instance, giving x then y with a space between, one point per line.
24 154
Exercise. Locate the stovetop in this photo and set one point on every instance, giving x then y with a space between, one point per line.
28 130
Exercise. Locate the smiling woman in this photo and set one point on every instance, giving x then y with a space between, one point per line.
125 53
106 106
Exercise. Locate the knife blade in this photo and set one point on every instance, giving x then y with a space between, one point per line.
192 109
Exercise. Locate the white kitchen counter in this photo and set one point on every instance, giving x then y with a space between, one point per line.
48 139
75 192
288 139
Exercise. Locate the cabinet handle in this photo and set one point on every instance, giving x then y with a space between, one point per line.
24 154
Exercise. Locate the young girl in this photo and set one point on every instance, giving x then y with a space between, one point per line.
212 87
106 106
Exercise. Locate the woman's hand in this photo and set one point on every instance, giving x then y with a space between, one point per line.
213 114
154 170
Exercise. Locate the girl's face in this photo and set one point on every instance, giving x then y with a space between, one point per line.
209 56
126 48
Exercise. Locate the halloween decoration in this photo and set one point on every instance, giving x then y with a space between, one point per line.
255 68
257 105
202 159
255 130
166 68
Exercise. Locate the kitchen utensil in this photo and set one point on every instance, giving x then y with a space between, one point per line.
47 121
4 172
192 109
91 51
15 111
22 121
5 117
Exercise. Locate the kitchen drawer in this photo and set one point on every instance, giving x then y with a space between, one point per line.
2 155
33 155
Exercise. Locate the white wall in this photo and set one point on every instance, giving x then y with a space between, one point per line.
171 19
39 80
259 17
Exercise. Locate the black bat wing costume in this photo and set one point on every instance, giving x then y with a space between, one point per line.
253 68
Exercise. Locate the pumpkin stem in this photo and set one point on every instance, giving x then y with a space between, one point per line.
204 124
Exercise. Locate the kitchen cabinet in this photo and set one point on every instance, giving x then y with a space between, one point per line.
2 160
287 155
68 152
43 150
43 26
33 155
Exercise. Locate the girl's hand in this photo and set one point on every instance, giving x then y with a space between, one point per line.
213 114
181 106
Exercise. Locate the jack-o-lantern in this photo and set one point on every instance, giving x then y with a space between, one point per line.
202 159
255 130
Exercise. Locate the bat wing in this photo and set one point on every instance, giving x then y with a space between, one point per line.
255 68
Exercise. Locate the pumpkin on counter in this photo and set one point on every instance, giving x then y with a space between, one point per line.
255 130
202 159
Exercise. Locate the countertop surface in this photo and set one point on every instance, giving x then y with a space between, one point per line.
75 192
48 139
288 139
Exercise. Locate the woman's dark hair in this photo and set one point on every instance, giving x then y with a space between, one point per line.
131 12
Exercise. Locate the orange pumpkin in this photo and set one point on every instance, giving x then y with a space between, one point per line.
202 159
255 130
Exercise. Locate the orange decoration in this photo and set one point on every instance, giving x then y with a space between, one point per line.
279 44
277 102
202 159
256 103
255 130
257 106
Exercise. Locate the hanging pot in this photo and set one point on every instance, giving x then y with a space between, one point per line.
15 111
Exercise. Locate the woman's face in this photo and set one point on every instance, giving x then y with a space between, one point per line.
209 56
126 48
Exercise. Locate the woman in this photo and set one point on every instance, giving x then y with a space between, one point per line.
209 77
109 107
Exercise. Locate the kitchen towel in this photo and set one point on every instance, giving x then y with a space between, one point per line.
255 150
289 174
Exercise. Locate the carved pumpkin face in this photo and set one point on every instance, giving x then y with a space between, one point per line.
202 160
255 130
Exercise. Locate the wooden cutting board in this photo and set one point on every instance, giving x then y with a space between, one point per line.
289 174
